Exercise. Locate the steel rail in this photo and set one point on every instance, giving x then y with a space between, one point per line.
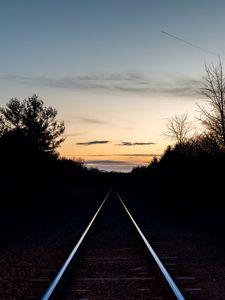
56 281
165 273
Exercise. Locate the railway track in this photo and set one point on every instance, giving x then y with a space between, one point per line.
113 260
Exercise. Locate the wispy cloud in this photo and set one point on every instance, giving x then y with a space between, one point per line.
117 162
108 162
134 144
94 121
92 143
101 122
134 82
110 165
99 82
181 86
75 134
140 155
126 155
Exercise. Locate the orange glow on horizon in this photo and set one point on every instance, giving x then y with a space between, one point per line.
110 156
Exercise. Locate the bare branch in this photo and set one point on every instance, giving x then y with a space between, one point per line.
213 119
179 128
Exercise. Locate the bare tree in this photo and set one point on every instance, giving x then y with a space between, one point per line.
179 128
213 119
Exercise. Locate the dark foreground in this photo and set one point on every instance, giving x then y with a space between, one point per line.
193 252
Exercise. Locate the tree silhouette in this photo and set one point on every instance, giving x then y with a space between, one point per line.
179 128
213 118
32 123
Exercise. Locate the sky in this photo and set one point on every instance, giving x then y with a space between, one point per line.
115 70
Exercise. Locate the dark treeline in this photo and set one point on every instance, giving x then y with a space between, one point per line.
183 183
43 185
35 182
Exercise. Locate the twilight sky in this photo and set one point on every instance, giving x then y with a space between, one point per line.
108 69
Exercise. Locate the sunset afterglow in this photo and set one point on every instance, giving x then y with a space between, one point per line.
115 71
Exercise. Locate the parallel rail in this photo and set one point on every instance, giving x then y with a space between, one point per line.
61 273
165 273
57 282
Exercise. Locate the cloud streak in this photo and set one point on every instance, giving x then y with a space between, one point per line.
100 122
135 144
94 121
140 155
108 162
92 143
130 82
126 155
117 162
75 134
110 165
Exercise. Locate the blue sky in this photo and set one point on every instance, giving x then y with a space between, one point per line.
108 69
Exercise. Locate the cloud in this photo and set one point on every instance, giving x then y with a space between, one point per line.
133 82
105 82
108 162
116 162
125 155
75 134
140 155
181 86
103 122
114 165
94 121
129 155
110 165
92 143
134 144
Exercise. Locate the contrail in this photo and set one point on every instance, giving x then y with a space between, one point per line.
188 43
